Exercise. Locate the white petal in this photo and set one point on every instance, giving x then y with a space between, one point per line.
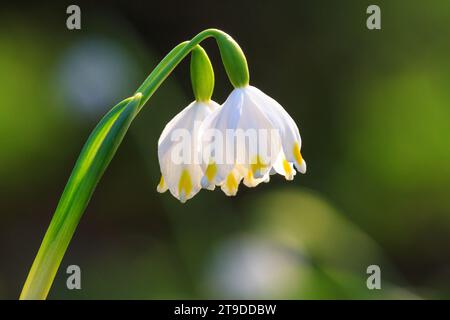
302 167
231 184
284 167
290 135
162 186
213 133
209 177
250 181
263 152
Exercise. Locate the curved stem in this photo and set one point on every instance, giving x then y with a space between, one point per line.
172 59
90 166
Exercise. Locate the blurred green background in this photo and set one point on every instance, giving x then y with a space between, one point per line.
373 111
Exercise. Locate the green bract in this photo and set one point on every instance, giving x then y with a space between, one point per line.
233 60
202 75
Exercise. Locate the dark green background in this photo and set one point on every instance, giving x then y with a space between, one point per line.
373 111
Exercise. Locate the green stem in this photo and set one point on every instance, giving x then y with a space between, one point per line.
229 50
97 154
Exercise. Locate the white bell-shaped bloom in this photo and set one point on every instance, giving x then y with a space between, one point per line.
178 151
249 137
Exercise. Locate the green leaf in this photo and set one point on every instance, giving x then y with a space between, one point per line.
89 168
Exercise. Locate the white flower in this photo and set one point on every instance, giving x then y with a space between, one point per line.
259 138
178 151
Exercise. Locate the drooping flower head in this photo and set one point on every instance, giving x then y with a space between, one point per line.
178 150
258 138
